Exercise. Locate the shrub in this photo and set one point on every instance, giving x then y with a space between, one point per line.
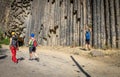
5 41
0 46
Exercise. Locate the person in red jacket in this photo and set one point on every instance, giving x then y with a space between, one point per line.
13 47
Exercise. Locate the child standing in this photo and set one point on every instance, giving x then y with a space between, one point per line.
32 47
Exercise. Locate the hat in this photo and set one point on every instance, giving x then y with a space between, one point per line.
32 34
13 33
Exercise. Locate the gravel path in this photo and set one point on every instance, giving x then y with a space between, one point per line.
53 64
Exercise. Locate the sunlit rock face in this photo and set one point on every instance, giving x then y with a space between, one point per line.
64 22
4 11
18 15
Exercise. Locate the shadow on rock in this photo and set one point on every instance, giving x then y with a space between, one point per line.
83 49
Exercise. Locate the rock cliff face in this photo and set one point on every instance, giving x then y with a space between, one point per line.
4 11
63 22
18 15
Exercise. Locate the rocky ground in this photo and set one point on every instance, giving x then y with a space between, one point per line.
61 62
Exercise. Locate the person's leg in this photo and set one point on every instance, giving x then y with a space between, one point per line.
14 59
12 52
88 44
30 53
35 54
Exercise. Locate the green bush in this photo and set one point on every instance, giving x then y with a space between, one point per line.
5 41
0 46
1 35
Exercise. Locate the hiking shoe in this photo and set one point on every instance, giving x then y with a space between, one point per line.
37 59
30 59
16 62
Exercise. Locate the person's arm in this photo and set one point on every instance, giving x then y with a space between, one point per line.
90 30
29 41
17 45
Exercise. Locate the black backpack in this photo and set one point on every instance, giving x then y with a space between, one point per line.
14 41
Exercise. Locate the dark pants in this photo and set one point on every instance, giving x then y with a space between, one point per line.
87 41
32 49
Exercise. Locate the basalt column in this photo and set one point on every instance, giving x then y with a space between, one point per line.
64 22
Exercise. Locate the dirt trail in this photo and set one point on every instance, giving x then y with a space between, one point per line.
54 64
